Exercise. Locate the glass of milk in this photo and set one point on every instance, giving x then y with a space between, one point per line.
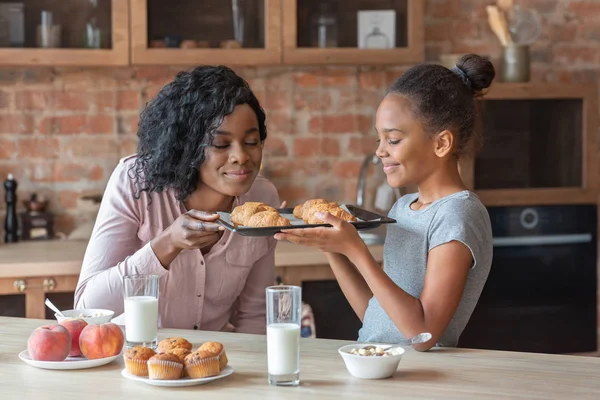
284 305
141 310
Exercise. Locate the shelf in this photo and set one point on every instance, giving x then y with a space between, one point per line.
410 49
148 27
117 54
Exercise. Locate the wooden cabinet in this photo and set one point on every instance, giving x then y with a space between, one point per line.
540 146
34 290
206 32
306 23
66 42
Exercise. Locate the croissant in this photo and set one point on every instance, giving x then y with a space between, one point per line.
336 212
308 204
298 211
315 208
241 214
268 218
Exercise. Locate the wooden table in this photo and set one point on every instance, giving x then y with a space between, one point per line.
437 374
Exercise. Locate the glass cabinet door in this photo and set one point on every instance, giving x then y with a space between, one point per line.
211 31
64 32
353 31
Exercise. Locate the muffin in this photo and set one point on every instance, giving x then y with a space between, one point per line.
181 353
201 364
136 360
217 349
168 344
164 366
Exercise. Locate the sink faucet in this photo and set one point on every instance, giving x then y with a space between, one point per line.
360 189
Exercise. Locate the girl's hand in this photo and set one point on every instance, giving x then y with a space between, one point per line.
342 238
195 230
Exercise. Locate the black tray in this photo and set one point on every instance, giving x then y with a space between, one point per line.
367 220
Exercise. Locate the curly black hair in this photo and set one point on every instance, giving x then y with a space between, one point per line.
179 123
446 98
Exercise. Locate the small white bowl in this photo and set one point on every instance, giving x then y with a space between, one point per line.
93 316
370 367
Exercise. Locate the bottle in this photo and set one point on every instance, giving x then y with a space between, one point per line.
324 27
11 223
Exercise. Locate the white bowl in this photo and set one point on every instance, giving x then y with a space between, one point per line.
370 367
93 316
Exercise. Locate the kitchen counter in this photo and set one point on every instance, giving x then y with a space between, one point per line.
64 257
438 374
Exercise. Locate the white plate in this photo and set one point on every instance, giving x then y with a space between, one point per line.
69 363
178 382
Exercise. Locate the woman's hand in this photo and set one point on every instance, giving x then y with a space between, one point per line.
195 230
342 238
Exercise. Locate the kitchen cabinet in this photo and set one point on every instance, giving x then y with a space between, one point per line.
25 296
206 32
540 146
66 38
327 32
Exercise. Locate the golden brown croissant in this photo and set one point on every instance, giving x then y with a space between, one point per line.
336 212
298 211
241 214
309 203
268 218
315 208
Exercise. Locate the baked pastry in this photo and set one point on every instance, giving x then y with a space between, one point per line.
308 204
336 211
298 211
136 360
309 212
217 349
201 364
267 218
164 366
168 344
181 353
241 214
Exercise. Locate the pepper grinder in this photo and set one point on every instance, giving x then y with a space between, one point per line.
11 223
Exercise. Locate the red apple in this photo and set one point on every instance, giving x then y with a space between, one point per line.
49 343
100 341
74 326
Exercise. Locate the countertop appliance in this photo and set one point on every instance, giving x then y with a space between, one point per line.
541 294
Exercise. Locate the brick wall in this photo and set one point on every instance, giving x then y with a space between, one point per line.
63 130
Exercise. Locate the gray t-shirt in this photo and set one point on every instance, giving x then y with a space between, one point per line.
461 217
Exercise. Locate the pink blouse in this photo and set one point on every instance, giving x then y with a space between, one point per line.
223 290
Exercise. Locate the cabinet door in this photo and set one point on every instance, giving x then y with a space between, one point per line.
539 145
236 32
64 32
353 32
27 295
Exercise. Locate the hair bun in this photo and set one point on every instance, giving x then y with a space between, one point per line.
476 71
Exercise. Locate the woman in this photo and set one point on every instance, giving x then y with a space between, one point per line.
200 151
438 255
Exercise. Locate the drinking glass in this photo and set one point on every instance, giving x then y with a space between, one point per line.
141 310
284 305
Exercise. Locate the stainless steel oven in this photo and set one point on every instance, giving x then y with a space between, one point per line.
541 294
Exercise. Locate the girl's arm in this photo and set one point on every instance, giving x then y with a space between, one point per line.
351 282
447 270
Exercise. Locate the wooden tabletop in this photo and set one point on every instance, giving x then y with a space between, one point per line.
64 257
437 374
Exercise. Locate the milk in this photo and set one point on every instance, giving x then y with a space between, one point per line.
283 349
141 318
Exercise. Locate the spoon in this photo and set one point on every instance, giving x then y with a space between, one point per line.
53 308
417 339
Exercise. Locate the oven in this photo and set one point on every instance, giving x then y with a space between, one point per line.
541 293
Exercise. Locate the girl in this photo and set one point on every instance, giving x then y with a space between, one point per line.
438 255
199 152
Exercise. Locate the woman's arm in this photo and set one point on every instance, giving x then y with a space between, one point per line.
447 270
114 249
351 282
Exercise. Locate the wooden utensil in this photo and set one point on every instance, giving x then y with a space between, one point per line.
505 5
497 22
